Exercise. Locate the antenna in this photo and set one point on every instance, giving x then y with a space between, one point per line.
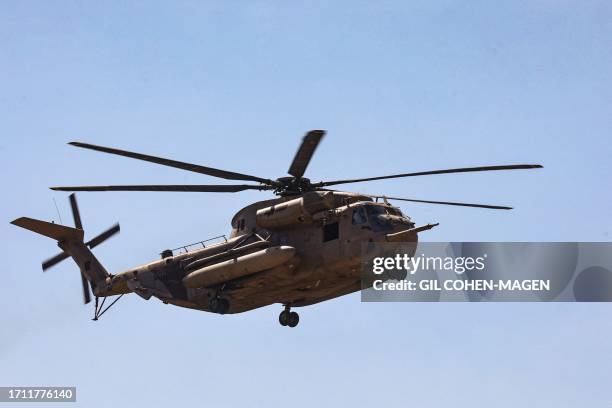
58 212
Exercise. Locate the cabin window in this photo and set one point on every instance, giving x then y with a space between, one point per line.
359 216
330 232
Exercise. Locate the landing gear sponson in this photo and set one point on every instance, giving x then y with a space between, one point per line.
288 318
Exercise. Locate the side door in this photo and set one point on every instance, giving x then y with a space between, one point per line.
331 240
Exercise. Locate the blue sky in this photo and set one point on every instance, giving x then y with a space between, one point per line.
400 86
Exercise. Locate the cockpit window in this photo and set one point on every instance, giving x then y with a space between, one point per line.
377 215
359 216
375 210
394 211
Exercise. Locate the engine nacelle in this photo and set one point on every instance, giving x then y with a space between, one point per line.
297 211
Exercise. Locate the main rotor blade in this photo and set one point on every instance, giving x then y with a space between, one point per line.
305 152
54 261
230 175
426 173
86 295
493 207
94 242
177 187
75 212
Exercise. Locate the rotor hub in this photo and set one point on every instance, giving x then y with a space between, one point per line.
293 185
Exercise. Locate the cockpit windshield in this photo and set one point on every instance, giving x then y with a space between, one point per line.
376 216
377 209
394 211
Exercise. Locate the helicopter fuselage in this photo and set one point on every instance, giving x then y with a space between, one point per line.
291 250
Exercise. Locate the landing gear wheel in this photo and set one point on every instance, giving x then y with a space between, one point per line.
213 304
219 305
294 319
224 306
283 317
288 318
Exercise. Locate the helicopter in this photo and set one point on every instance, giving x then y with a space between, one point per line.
300 248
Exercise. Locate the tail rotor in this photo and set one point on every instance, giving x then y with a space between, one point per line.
92 243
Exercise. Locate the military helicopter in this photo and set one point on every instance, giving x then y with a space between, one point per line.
300 248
